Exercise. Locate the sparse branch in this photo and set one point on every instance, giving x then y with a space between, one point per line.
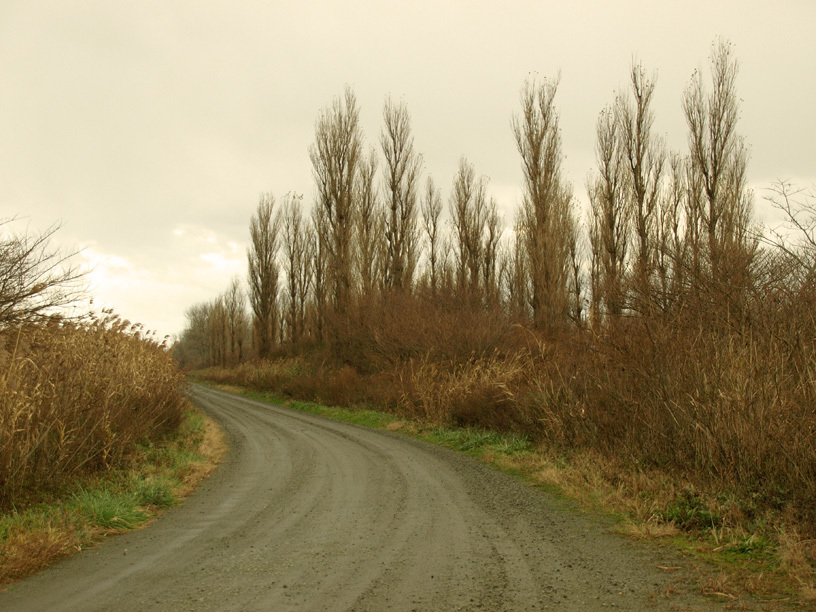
798 206
36 279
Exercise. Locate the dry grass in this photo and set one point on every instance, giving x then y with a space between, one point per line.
33 539
29 551
76 399
212 449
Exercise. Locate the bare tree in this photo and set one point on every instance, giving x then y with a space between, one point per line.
674 226
335 156
263 273
217 331
235 319
431 211
491 234
517 276
644 156
401 174
370 242
798 240
193 347
36 280
719 158
320 258
297 264
547 217
467 208
609 223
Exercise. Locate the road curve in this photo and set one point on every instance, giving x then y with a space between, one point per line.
312 514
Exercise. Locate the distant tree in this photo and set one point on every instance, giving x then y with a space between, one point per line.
263 274
718 160
491 233
431 211
467 209
516 274
644 158
217 331
298 261
235 319
476 233
320 264
547 223
672 258
335 156
609 220
369 228
401 174
193 346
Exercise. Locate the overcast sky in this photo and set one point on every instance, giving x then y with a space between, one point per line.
149 129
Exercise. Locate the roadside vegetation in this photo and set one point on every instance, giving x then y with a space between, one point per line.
657 353
95 432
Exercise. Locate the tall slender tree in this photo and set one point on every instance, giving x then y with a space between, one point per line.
297 262
609 220
236 319
547 219
401 175
718 160
336 156
263 274
644 156
431 211
369 226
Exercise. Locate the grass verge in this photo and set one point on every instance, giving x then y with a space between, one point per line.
729 558
89 510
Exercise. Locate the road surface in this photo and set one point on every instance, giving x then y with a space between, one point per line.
309 514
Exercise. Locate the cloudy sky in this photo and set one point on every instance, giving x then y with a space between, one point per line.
149 129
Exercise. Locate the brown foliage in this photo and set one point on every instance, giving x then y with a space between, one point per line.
76 398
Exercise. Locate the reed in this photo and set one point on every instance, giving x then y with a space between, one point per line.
76 398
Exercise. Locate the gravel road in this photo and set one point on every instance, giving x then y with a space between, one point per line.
311 514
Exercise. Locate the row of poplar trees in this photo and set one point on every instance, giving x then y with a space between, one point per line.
662 230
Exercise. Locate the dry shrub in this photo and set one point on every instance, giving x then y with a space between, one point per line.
383 332
78 397
477 393
344 387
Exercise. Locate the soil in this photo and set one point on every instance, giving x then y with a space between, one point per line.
306 513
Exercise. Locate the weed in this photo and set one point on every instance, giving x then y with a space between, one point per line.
156 491
108 509
690 512
119 499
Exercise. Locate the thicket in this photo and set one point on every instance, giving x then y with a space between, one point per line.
76 394
665 329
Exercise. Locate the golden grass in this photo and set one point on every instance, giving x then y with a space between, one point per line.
53 531
76 399
26 552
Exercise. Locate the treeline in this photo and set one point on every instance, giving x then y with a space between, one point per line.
662 325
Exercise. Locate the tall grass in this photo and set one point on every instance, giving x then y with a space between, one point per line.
76 398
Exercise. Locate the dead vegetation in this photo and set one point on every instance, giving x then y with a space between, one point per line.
672 365
77 393
76 398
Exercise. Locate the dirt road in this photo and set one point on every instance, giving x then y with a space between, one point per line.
312 514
